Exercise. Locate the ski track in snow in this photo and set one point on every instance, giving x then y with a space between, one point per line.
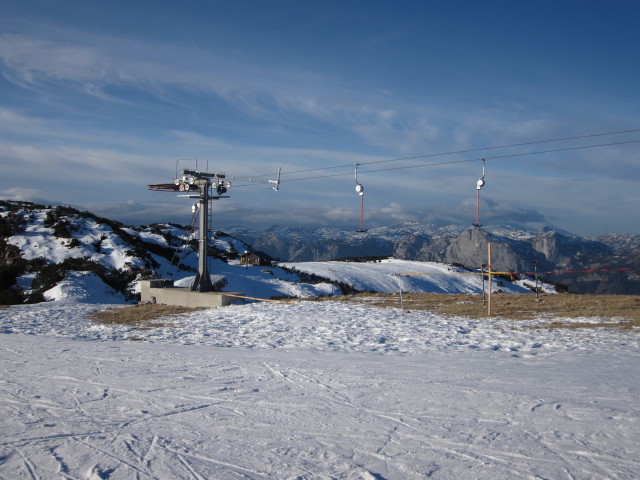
314 390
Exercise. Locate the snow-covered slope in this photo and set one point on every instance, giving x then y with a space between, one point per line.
84 287
262 282
382 276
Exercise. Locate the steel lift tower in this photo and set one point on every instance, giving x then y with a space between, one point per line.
201 186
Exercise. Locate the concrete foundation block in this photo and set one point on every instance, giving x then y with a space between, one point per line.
164 293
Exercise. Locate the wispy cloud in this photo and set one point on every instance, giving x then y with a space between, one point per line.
63 166
109 68
33 59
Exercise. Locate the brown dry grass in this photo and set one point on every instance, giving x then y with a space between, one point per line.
622 311
611 311
141 316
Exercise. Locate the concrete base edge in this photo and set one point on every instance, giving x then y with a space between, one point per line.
162 292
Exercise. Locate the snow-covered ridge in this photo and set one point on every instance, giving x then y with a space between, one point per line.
45 244
120 256
72 254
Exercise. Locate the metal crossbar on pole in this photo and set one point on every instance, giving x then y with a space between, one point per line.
550 272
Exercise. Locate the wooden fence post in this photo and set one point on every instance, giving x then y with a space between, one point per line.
490 267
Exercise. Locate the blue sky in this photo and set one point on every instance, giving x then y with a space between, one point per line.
99 99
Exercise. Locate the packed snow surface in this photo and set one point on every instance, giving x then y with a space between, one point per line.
313 390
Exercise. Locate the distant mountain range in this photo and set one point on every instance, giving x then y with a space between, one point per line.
614 257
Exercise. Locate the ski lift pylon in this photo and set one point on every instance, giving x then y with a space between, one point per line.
479 184
360 191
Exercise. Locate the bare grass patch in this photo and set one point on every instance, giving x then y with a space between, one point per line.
606 311
141 316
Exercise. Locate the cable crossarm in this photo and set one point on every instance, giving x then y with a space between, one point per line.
450 162
250 178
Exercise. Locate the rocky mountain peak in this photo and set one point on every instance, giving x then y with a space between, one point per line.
513 249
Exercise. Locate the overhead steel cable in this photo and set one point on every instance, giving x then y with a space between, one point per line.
440 154
451 162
